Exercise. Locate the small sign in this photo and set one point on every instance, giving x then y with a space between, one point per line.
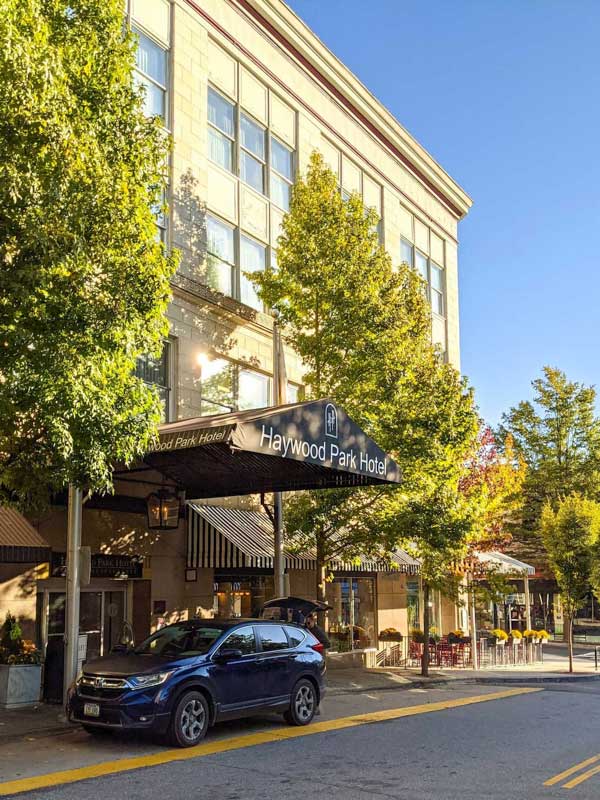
82 643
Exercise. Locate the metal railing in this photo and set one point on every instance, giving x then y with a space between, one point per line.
444 655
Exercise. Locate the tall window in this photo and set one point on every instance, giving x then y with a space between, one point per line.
226 386
220 256
157 372
221 130
421 265
437 289
406 252
252 259
151 72
282 173
252 153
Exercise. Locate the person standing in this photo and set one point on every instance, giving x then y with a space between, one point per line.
317 631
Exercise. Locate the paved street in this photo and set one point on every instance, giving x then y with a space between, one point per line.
468 746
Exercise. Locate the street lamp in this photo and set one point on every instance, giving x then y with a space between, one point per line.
163 510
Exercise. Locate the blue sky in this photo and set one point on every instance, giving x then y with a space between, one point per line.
505 95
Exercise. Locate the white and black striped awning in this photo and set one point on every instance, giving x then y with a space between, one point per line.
222 538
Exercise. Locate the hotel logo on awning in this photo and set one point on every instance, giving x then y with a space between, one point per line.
331 422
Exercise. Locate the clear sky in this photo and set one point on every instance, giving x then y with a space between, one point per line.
505 94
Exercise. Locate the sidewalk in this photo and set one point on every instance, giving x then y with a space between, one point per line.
33 723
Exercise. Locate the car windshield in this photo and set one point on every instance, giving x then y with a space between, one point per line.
180 640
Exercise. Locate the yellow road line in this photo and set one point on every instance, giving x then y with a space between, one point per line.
581 778
238 742
562 775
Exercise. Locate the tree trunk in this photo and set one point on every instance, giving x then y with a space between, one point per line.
321 581
569 620
425 656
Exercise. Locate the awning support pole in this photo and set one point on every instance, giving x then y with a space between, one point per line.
527 602
72 612
279 393
473 625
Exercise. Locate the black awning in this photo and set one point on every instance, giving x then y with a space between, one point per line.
313 445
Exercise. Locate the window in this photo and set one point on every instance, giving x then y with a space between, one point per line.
252 153
293 393
220 256
252 259
157 372
421 265
225 386
282 174
272 638
217 386
437 289
253 390
221 130
151 73
295 636
161 218
241 639
406 252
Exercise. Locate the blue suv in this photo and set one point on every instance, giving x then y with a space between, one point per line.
187 676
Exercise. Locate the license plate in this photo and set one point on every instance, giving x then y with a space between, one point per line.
91 710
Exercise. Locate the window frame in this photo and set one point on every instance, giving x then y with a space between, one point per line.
223 644
232 139
137 29
233 265
243 149
169 345
237 368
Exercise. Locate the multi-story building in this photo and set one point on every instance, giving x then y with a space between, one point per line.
247 92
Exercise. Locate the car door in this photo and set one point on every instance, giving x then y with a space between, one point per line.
239 682
275 661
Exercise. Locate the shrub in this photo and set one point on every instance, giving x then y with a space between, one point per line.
13 648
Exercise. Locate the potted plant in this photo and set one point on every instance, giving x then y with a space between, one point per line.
390 635
530 636
515 637
20 667
417 635
498 637
543 636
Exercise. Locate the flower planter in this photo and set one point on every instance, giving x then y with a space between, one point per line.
19 685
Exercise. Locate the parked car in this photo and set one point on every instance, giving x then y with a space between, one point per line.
187 676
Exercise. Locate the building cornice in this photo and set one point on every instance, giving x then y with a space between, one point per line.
301 44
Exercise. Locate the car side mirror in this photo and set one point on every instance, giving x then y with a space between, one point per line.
227 654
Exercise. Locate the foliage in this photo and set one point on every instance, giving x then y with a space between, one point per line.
13 649
543 634
570 534
417 635
85 282
495 478
498 633
558 436
516 634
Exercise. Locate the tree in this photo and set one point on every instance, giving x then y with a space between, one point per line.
85 283
357 325
570 535
558 436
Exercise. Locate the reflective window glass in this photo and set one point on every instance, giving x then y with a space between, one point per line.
221 112
242 639
295 636
252 137
272 638
421 264
151 59
280 192
217 385
253 390
406 252
252 259
220 149
252 171
437 278
282 159
154 96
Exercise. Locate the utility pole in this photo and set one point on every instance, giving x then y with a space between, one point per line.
279 394
74 516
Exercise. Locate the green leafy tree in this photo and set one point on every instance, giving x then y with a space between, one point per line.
570 534
558 436
85 283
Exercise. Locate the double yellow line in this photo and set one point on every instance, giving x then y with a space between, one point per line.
583 776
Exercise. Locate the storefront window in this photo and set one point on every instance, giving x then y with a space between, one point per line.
414 611
241 595
352 618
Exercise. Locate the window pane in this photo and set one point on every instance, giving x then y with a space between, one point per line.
242 639
295 636
281 159
421 263
252 259
220 239
437 278
156 372
220 112
273 637
220 149
252 136
253 390
154 97
406 252
217 385
219 275
280 192
252 171
293 393
437 302
151 58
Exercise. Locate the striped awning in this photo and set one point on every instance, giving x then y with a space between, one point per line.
222 538
19 541
507 565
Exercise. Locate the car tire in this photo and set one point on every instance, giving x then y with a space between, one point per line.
189 720
304 704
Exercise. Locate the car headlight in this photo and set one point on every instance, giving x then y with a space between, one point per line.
144 681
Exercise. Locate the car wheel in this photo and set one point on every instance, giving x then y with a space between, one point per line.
189 720
304 704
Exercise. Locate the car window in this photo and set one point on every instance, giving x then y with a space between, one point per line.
273 637
241 639
295 635
180 640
